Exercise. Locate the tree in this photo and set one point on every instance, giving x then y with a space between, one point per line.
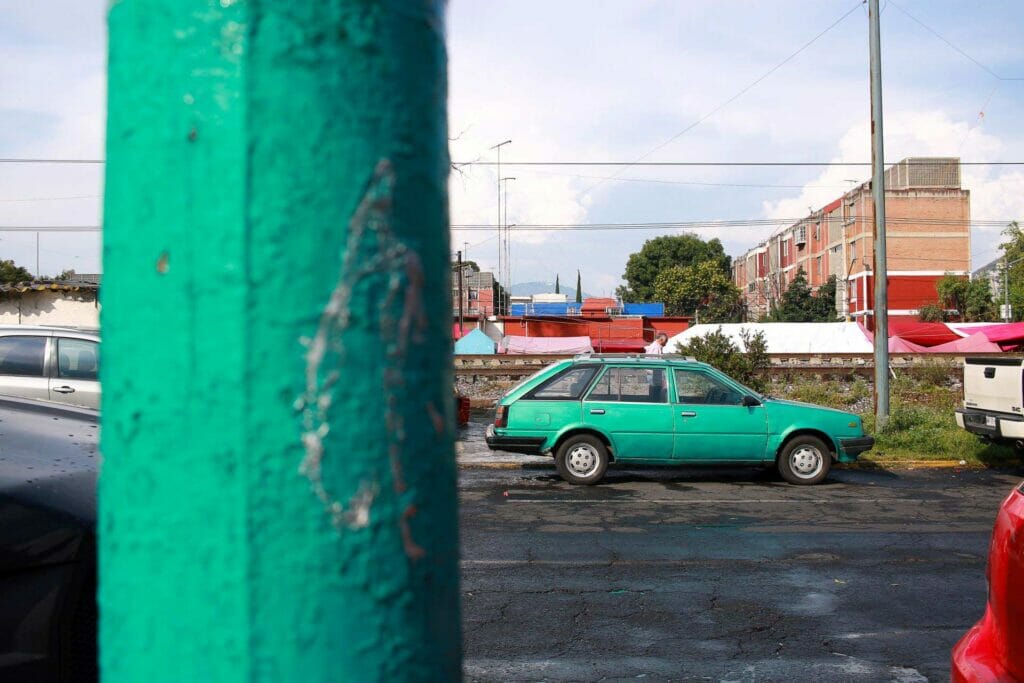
931 313
10 272
972 299
557 288
660 254
1013 249
701 290
800 305
579 288
746 365
67 274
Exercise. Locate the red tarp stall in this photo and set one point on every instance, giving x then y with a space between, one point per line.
456 332
619 345
923 334
901 345
540 345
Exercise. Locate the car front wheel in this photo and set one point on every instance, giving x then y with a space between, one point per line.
805 460
582 459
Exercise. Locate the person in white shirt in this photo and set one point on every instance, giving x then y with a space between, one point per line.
657 347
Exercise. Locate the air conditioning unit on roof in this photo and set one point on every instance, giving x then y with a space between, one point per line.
800 235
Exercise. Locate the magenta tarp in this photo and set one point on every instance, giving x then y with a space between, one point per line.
531 345
976 343
1001 333
901 345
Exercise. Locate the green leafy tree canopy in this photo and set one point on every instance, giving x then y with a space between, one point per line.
800 305
972 299
746 365
661 253
10 272
701 290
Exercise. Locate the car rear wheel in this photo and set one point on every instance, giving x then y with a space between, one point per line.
805 460
582 459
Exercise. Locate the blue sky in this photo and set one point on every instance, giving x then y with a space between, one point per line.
585 80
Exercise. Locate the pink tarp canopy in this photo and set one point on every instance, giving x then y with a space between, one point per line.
976 343
1007 334
531 345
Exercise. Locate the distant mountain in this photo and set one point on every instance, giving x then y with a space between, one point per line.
531 288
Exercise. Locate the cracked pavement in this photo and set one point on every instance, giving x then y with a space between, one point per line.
722 574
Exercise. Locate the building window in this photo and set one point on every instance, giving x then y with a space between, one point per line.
817 264
853 251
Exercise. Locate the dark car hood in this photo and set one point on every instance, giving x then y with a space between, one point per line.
48 458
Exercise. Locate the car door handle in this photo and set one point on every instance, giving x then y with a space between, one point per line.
64 390
688 413
596 411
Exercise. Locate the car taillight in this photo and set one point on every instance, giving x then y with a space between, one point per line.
501 417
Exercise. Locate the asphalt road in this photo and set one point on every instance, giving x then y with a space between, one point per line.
722 575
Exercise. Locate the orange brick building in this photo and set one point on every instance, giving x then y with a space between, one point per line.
928 235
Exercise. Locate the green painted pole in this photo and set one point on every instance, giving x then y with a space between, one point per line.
277 494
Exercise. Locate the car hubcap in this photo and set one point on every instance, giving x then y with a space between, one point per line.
583 460
806 462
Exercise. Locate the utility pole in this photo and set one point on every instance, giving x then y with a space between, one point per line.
460 292
878 194
500 267
39 275
305 529
507 252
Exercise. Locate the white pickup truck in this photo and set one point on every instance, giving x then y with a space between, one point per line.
994 400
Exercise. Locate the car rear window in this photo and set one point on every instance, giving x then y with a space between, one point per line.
568 385
22 356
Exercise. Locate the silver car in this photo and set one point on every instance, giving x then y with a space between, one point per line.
50 363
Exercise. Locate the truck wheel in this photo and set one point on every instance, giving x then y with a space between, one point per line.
582 459
805 460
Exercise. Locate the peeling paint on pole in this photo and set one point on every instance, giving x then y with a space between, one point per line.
277 497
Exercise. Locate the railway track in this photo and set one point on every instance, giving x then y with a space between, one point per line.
803 364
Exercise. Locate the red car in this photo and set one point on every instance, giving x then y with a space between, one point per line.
994 649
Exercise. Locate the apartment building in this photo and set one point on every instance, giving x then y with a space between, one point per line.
928 236
477 291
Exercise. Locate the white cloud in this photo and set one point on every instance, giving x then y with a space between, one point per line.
995 195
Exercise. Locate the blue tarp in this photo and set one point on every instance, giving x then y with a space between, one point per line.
475 342
649 310
561 309
546 309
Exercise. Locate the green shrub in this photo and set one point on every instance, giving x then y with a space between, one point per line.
716 349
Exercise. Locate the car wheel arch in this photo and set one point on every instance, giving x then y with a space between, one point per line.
575 431
808 431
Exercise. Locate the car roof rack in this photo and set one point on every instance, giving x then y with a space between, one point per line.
634 356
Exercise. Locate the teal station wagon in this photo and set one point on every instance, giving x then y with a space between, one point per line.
666 410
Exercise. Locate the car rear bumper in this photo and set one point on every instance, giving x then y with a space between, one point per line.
990 424
856 446
530 445
976 656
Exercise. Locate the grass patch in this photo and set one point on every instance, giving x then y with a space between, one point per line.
922 425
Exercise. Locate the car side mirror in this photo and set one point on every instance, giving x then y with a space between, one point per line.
749 401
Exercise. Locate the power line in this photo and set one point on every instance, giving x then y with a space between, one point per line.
741 92
51 228
52 161
909 162
950 43
739 223
52 199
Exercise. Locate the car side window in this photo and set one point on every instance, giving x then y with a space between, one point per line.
631 385
22 356
566 386
696 387
77 359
